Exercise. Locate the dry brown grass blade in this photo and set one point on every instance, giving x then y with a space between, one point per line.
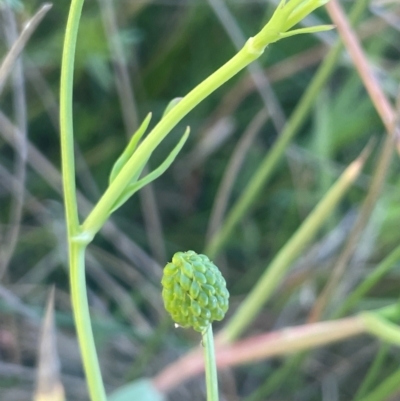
389 118
11 235
352 44
356 232
280 71
18 46
48 382
282 342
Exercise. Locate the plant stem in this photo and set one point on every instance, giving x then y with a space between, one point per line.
76 250
271 160
210 365
83 325
66 117
101 211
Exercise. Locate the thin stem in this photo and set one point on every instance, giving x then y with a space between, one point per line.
83 325
101 211
210 365
271 160
66 117
372 85
76 250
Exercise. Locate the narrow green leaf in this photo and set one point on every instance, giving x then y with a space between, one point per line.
274 273
311 29
387 388
134 187
300 11
130 148
368 282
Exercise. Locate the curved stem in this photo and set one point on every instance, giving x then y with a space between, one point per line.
66 117
101 211
76 250
210 365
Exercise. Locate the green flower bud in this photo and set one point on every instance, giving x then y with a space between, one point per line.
194 291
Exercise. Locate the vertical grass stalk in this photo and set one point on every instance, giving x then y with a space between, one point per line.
76 249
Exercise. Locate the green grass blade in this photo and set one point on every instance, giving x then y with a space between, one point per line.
374 277
273 274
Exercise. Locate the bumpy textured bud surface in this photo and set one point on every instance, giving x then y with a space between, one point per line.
194 291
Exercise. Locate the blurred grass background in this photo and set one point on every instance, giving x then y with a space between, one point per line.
169 46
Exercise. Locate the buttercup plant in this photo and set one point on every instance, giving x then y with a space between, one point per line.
125 178
195 294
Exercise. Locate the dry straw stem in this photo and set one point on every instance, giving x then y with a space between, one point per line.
282 342
11 232
381 103
13 64
378 180
18 46
49 386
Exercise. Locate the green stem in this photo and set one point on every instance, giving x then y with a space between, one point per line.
101 211
66 117
271 160
210 366
83 324
76 250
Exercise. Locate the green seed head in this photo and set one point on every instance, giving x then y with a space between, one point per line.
194 291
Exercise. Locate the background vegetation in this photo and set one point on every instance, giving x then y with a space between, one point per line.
133 57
